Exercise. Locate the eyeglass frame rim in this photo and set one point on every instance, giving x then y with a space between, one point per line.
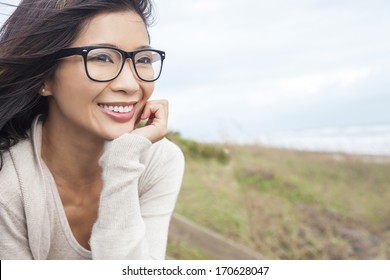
83 52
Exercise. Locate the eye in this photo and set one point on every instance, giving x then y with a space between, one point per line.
100 57
144 59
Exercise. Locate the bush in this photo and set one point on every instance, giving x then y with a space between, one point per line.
200 151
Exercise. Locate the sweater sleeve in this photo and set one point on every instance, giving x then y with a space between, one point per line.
14 243
13 238
129 222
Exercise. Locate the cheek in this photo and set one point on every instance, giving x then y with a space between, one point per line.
72 85
148 89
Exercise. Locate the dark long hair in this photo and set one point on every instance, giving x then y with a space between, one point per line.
29 42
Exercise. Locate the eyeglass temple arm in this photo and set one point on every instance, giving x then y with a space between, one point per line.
70 51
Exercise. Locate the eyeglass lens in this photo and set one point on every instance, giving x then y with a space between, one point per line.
105 64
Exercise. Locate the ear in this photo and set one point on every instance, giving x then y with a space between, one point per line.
42 91
45 90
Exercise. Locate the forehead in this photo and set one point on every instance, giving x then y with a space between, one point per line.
126 30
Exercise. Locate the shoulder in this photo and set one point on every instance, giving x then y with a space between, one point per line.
8 175
17 173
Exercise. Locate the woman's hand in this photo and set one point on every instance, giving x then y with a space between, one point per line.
156 114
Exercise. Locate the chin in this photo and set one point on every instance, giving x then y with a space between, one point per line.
113 134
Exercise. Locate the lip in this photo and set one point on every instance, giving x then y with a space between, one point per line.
117 116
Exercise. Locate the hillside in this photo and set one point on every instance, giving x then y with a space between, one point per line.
286 204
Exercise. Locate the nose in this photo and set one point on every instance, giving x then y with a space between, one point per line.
127 79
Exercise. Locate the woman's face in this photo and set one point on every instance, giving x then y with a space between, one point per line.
80 105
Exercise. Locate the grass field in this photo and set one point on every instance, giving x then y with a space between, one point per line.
286 204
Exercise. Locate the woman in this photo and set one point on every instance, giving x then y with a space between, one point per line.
80 179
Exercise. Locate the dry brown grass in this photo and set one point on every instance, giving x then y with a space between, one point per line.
289 204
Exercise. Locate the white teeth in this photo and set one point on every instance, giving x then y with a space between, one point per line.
117 109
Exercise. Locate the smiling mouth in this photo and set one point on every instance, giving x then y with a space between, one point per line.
117 109
119 112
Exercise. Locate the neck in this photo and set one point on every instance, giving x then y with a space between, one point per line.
72 157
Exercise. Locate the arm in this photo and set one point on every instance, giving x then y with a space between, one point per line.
132 225
13 236
158 201
13 230
119 232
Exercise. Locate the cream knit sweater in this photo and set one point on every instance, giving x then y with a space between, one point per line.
141 182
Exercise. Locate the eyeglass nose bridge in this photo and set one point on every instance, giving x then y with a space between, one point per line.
128 55
125 57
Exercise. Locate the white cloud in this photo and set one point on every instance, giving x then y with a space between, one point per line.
310 85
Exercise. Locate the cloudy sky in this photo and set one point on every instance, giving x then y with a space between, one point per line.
242 69
237 70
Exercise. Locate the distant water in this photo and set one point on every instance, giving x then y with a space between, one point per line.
359 140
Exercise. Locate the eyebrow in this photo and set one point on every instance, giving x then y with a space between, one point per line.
115 46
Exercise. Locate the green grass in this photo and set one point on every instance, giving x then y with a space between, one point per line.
286 204
178 249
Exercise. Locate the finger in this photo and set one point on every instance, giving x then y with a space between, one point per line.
156 114
139 116
156 110
146 112
159 109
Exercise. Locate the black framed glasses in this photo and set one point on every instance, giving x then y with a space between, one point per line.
104 64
